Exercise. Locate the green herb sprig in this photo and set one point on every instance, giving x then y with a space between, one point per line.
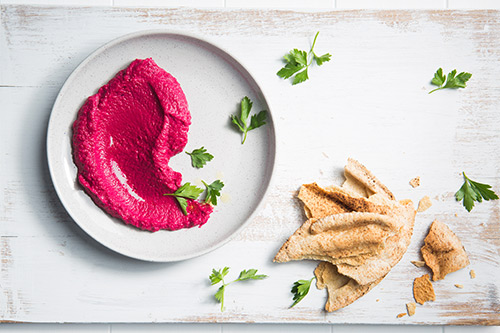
200 157
186 191
256 121
298 62
300 290
452 81
473 191
213 191
218 276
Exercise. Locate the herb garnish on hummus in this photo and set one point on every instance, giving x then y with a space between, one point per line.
256 121
123 139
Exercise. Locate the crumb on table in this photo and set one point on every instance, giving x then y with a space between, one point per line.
424 204
418 263
415 182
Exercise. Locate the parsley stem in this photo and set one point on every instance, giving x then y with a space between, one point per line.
312 52
314 41
435 89
222 300
244 137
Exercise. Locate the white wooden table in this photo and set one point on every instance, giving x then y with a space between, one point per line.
53 272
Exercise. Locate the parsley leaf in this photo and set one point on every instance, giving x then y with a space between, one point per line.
257 120
251 274
289 70
200 157
473 191
219 296
439 78
186 191
183 203
322 59
453 81
300 289
298 62
218 276
213 191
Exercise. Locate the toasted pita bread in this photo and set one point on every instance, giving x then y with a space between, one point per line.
361 181
443 252
349 238
423 291
395 246
342 290
361 201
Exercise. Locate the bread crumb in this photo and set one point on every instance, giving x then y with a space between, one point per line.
415 182
472 274
456 215
401 315
418 263
423 290
459 286
424 204
411 307
377 300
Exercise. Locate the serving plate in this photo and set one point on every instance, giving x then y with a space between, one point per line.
214 83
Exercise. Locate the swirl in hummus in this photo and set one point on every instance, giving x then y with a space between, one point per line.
123 139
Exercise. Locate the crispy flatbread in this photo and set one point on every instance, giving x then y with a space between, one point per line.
375 230
360 180
443 252
349 238
320 202
423 290
342 290
395 246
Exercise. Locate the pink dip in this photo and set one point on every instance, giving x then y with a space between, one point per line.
123 139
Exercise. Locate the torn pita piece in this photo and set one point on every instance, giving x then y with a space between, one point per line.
359 232
423 290
443 252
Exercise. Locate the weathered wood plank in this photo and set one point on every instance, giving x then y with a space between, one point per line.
370 103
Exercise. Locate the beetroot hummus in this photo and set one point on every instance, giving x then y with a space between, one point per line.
123 139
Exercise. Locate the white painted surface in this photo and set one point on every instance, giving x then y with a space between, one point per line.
60 2
169 3
10 138
309 5
473 4
390 4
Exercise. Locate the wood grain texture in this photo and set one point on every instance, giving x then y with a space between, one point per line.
370 103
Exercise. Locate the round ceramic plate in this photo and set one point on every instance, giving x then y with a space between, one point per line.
214 84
